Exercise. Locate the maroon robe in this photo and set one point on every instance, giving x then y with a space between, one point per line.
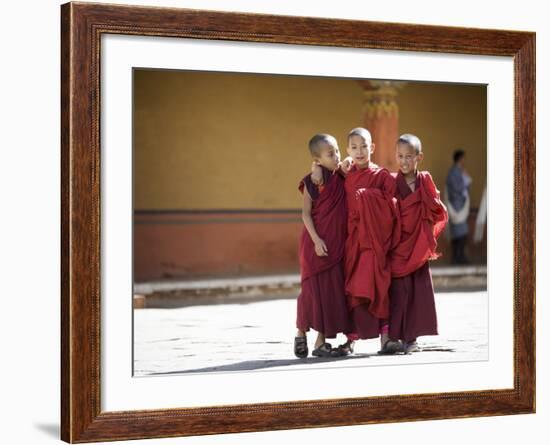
322 302
423 218
372 232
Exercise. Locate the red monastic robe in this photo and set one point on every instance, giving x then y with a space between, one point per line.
322 302
329 214
372 232
423 217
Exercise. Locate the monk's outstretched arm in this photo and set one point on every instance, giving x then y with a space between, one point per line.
320 246
343 169
345 166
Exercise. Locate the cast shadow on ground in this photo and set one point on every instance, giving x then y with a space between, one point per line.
50 429
253 365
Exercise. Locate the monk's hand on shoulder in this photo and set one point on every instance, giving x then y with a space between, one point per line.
320 247
345 165
316 173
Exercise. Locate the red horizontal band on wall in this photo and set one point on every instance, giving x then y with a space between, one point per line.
190 244
216 216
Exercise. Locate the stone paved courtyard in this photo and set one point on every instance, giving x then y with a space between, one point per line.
259 336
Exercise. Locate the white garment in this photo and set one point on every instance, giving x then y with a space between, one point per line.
467 182
481 217
457 216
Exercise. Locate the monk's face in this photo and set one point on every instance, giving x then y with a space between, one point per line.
360 150
329 156
408 158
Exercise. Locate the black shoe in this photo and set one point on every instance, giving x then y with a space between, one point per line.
323 351
391 347
410 347
343 350
300 347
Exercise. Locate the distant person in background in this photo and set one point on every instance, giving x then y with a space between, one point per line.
457 200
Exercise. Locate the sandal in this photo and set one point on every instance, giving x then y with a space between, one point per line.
344 349
391 347
323 351
300 347
410 347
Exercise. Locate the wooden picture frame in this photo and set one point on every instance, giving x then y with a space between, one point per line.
82 25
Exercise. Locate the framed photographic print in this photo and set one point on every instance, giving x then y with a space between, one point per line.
185 136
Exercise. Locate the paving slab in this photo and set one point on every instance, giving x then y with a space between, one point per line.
258 336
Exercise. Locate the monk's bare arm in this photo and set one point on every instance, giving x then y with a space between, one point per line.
343 169
345 166
316 174
320 246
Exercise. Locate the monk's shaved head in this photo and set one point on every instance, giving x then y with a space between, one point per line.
412 141
362 132
317 142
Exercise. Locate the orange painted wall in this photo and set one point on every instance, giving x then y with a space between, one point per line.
230 142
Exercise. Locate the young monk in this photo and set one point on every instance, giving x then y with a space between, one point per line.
322 302
423 218
372 231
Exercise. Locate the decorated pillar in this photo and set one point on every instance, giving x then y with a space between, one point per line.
381 118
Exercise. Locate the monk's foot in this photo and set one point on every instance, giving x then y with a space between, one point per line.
300 346
323 350
391 347
344 349
410 347
320 340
